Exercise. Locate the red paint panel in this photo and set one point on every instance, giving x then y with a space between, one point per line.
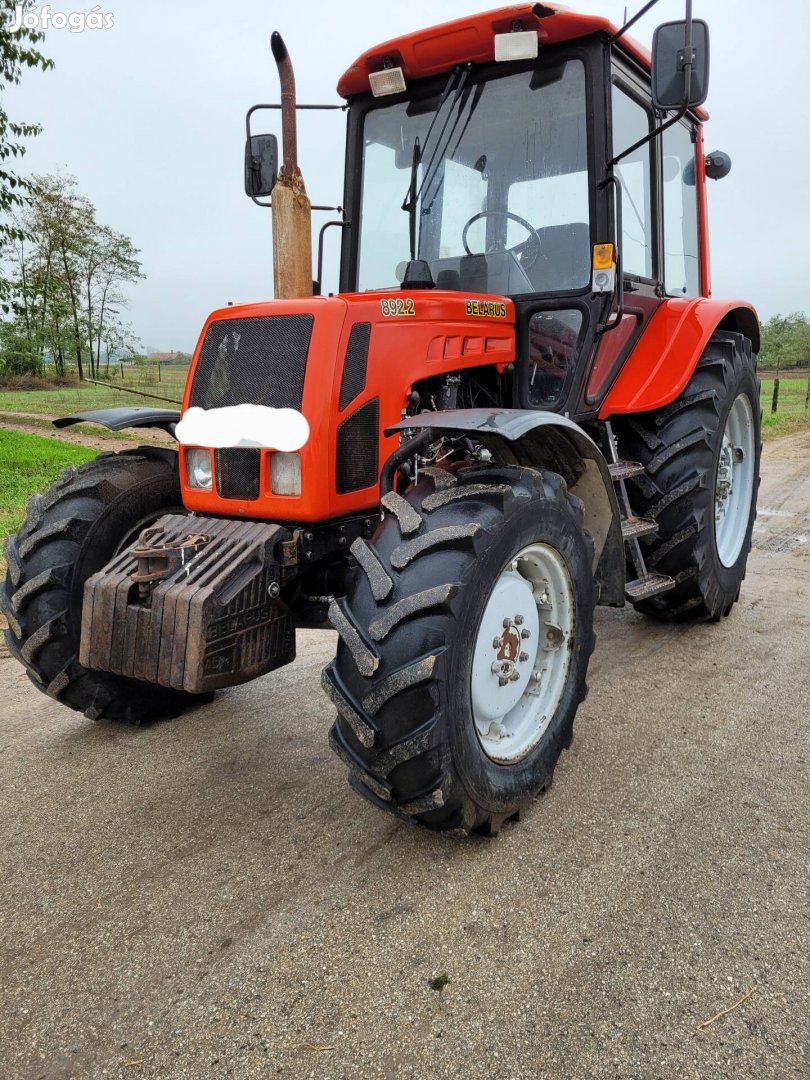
661 364
703 215
470 40
440 336
607 354
329 321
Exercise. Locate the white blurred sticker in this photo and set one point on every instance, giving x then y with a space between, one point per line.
244 425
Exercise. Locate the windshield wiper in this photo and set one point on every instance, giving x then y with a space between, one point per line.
409 204
411 200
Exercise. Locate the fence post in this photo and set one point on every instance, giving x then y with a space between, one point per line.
807 397
122 370
775 402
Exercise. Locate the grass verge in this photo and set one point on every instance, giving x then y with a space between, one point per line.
775 425
79 397
29 464
792 416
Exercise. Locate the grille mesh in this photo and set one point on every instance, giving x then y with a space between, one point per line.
237 470
356 465
354 365
259 361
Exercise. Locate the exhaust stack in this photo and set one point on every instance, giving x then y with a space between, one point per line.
292 213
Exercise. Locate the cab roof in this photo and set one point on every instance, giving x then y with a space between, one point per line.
471 40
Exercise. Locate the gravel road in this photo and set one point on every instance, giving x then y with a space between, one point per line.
207 898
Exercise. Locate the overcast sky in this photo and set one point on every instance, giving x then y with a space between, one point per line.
149 116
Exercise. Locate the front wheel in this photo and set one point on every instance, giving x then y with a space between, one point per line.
465 640
70 532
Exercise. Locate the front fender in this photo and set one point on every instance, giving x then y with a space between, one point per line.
124 417
663 361
546 440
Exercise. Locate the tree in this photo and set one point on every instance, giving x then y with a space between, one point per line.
786 341
65 285
17 51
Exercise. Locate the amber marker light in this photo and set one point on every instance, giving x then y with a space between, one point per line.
604 268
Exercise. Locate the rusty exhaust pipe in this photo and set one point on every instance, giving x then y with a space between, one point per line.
292 212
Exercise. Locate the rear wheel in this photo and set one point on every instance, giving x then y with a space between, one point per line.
465 640
701 456
70 532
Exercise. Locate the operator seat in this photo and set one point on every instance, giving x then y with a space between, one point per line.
564 260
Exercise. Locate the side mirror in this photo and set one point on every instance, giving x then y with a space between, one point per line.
261 165
669 60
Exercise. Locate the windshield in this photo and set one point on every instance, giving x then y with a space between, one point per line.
502 186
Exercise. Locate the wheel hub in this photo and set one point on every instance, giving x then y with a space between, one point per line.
734 482
509 651
519 664
725 478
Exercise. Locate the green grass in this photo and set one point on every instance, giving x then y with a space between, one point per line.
29 464
791 416
79 397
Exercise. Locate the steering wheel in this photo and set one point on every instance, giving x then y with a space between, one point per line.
533 243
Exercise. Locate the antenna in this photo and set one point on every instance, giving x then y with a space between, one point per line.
635 18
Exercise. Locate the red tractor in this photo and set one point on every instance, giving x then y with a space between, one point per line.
522 402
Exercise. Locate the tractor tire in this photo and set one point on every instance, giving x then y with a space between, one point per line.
70 532
440 600
697 453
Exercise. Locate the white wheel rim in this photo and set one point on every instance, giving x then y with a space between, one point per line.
734 482
522 653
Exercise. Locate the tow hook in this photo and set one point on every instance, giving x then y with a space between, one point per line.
156 562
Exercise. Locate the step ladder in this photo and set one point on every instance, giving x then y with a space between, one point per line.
646 583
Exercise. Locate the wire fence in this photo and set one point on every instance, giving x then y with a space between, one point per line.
785 392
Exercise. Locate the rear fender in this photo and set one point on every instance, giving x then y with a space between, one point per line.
122 418
546 440
664 360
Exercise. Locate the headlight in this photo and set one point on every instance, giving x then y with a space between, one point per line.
198 469
285 474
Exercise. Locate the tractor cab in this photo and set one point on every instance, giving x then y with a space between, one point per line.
498 175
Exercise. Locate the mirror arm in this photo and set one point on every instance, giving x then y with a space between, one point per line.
254 108
269 206
687 59
688 54
656 131
324 227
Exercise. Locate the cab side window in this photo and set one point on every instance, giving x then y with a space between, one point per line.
631 122
681 267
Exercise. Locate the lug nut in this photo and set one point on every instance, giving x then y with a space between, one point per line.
515 676
496 643
502 681
525 634
507 623
519 620
273 590
524 656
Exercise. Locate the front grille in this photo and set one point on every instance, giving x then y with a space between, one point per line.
237 472
358 437
354 364
259 361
